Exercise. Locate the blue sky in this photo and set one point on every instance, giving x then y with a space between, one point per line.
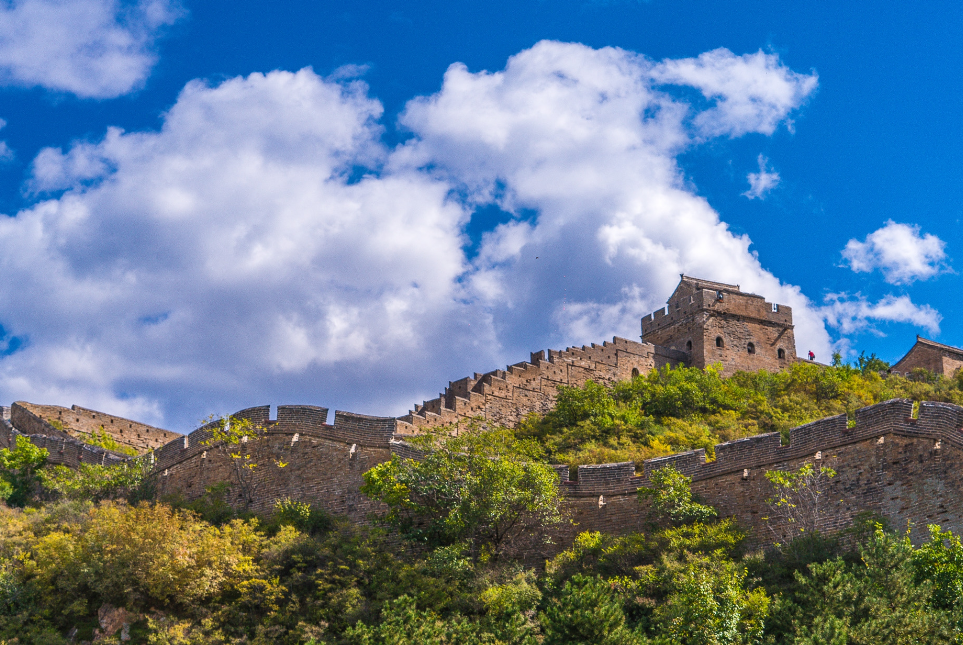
214 205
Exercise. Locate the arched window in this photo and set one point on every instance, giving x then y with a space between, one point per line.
688 345
781 353
719 342
751 348
635 372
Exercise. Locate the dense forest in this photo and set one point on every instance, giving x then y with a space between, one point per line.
92 555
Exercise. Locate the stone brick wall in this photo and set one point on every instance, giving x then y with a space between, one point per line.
80 423
699 313
907 470
506 396
932 356
904 468
63 449
322 463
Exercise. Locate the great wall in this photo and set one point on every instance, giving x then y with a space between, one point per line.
894 459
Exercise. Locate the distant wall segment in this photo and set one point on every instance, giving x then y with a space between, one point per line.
505 397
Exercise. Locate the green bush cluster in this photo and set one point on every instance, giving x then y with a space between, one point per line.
676 409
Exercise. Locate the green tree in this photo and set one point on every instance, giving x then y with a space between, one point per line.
402 624
871 363
483 488
19 471
242 442
940 562
875 599
671 497
587 610
128 480
705 601
800 500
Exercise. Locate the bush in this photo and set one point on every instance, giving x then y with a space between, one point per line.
19 471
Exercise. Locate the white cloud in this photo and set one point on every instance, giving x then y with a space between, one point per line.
762 182
752 92
91 48
854 314
6 154
264 245
900 252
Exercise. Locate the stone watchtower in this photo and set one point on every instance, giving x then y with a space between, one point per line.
718 323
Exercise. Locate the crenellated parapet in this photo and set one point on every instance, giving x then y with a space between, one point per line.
62 449
895 458
506 396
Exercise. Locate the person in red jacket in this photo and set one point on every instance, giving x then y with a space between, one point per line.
812 356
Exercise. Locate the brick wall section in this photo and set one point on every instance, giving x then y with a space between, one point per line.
506 396
908 469
80 423
323 462
63 449
932 356
699 311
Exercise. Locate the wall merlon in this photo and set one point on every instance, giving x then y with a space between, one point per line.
889 415
563 472
600 475
818 435
944 418
744 453
259 415
687 463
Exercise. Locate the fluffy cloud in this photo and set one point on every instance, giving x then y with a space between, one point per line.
760 183
855 314
91 48
752 93
265 245
899 251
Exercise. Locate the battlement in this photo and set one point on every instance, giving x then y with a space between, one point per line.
79 422
506 396
715 302
941 422
292 420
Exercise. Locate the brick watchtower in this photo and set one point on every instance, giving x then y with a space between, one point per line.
718 323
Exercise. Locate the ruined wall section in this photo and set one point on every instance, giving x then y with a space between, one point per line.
80 423
506 396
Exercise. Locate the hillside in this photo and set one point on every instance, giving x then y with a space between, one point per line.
97 554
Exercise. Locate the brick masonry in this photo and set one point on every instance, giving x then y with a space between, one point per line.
904 468
932 356
506 396
712 322
80 423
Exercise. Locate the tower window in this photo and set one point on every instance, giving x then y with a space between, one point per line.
635 372
719 342
688 345
781 353
751 348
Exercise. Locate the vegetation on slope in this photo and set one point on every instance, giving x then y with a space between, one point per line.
449 564
672 410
